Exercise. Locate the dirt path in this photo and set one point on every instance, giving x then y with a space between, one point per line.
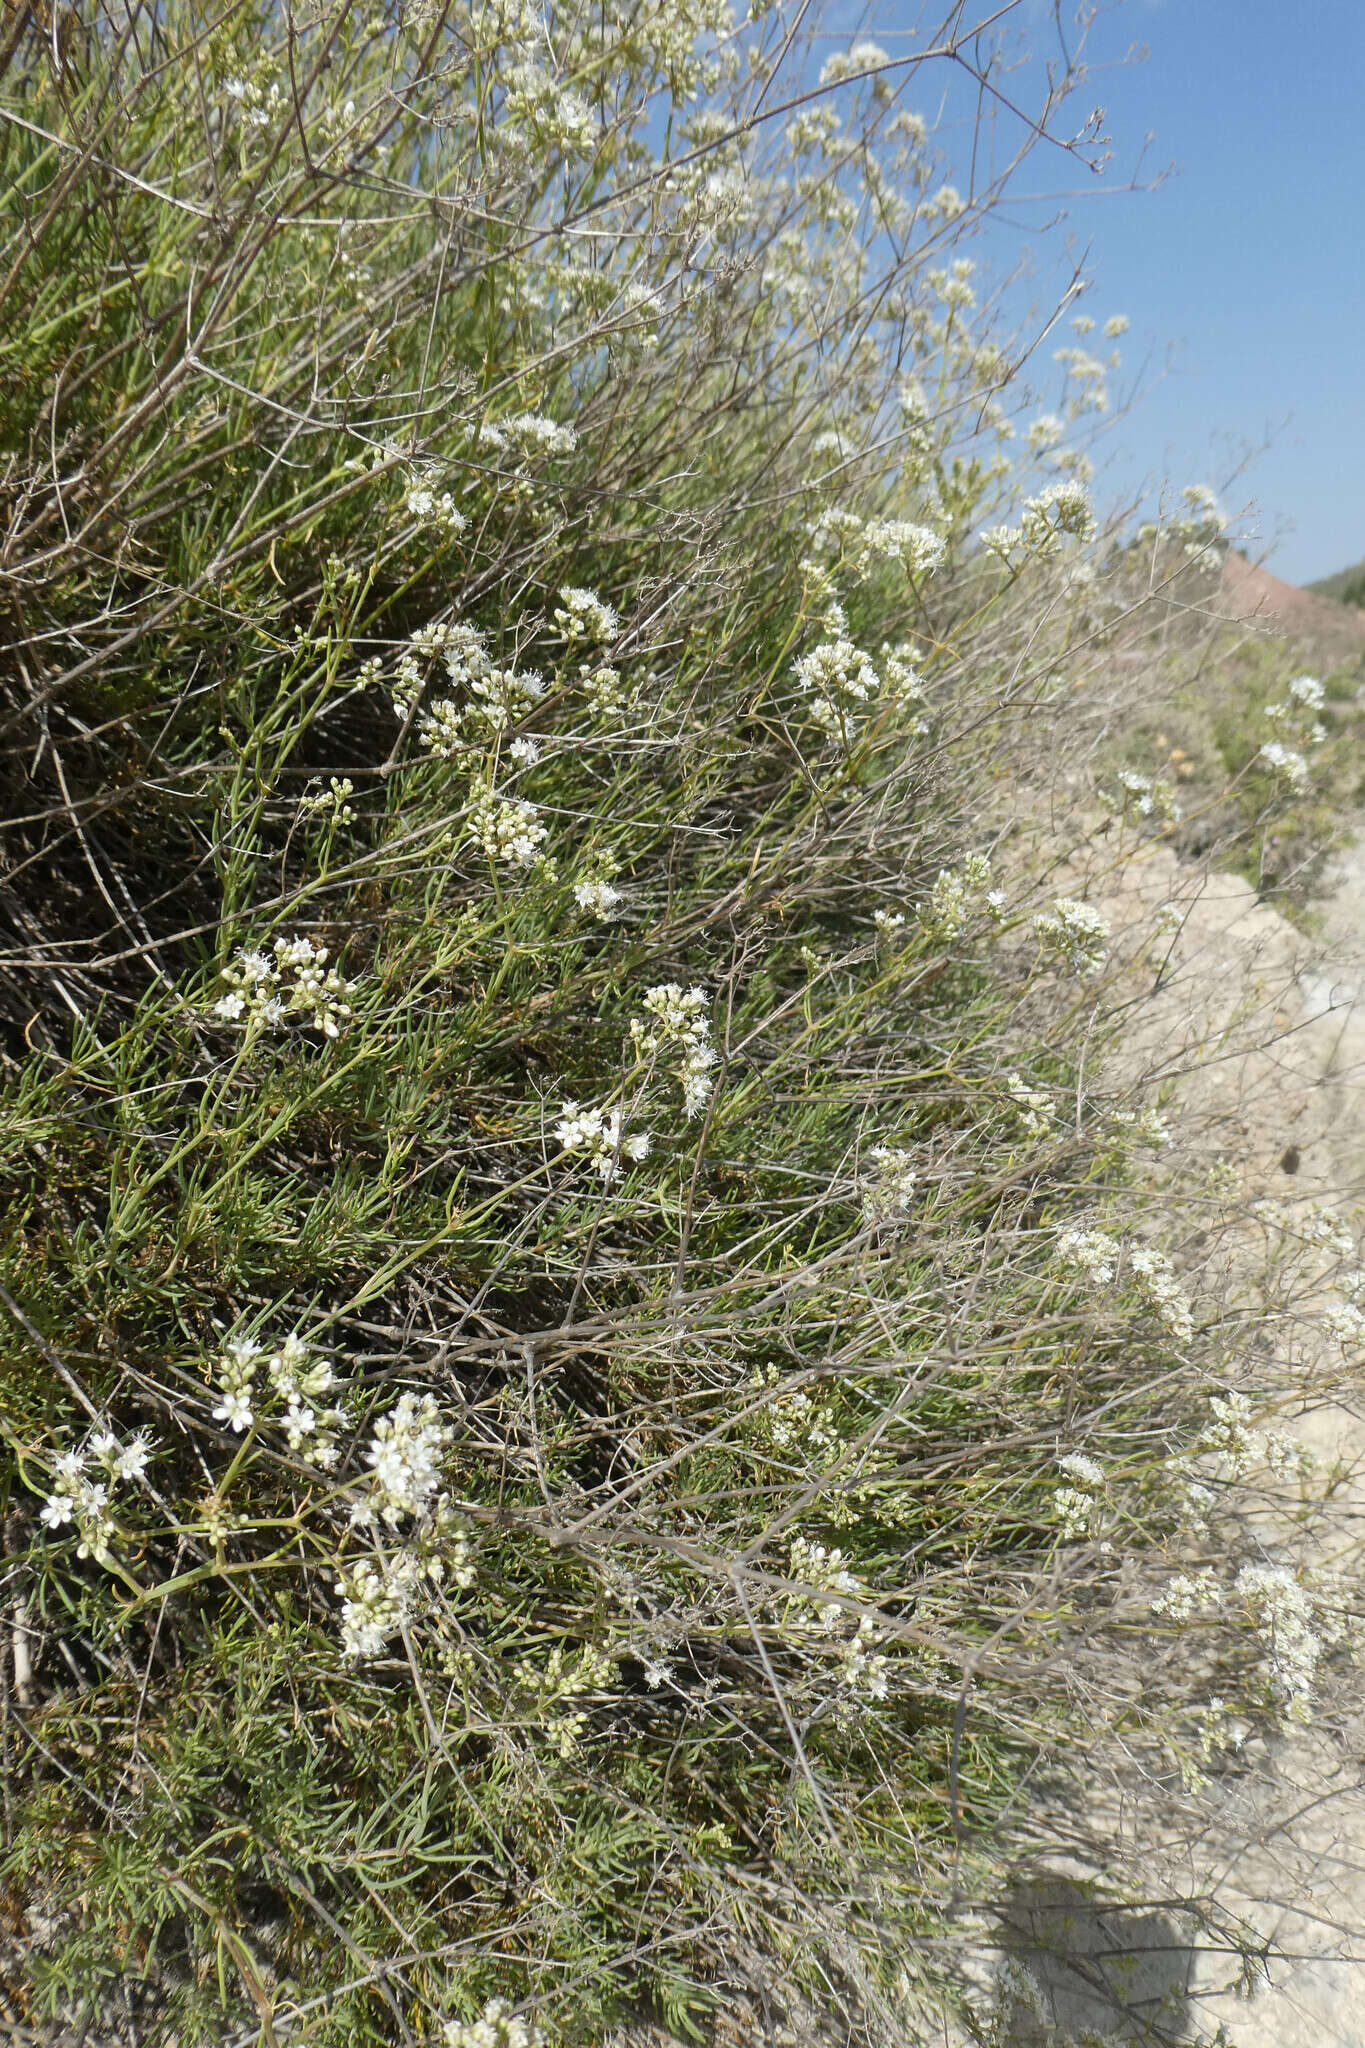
1262 1030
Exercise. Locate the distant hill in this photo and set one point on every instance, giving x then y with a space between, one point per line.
1347 586
1325 629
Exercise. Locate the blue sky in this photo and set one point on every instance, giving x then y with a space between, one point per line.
1243 272
1248 263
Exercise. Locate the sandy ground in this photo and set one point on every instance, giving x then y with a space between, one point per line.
1261 1031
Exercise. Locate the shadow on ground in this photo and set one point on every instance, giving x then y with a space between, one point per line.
1085 1968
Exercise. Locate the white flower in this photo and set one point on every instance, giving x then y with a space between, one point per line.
295 984
863 56
918 547
1077 1512
1093 1254
837 676
528 433
597 896
1083 1470
432 506
498 2027
955 895
333 798
679 1017
1284 1614
1308 691
1035 1107
603 1136
1075 934
1062 508
1115 325
888 923
1282 760
130 1460
583 615
235 1410
404 1458
1047 431
889 1192
1184 1596
507 829
1163 1293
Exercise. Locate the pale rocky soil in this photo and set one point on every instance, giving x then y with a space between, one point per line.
1259 1027
1262 1029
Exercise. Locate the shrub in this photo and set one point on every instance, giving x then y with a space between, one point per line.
569 1408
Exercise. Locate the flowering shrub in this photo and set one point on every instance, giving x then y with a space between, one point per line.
558 1209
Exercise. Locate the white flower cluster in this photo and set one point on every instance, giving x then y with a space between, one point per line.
863 57
890 1191
1143 1127
822 1570
1087 373
602 688
679 1017
1294 718
1094 1256
1062 508
497 2027
583 615
1188 1594
860 543
602 1135
1285 761
431 506
404 1458
506 829
553 116
559 1681
1077 1506
794 1419
1344 1322
1285 1616
295 986
599 896
1143 796
298 1377
1074 934
1035 1108
1242 1442
376 1601
495 697
83 1484
258 106
334 799
1311 1223
1092 1253
901 682
957 894
380 1595
836 677
236 1376
863 1669
887 923
1162 1291
919 548
527 433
